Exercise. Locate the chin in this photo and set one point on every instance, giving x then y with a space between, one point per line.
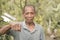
29 21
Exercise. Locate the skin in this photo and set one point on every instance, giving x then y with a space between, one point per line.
28 14
5 28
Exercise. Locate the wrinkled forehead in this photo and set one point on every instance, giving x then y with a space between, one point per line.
29 9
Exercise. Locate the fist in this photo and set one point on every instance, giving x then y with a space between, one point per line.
16 26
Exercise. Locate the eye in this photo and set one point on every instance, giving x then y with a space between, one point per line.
27 13
32 13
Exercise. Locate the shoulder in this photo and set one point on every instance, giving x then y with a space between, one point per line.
39 26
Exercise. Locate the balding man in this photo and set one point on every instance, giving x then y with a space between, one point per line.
29 30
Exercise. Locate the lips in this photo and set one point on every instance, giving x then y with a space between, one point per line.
29 18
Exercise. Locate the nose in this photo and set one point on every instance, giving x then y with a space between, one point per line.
29 15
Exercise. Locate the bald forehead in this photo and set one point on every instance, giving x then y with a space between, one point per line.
29 8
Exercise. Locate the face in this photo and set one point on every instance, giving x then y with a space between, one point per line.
29 14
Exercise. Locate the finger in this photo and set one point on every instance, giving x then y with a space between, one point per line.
13 27
18 27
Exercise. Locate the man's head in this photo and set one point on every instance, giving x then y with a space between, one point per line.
29 13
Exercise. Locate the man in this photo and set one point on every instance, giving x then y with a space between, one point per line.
26 30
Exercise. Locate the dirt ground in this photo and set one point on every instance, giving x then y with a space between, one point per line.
49 38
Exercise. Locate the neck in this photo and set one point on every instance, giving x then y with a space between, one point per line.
29 23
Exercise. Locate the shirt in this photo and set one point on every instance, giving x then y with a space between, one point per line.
25 34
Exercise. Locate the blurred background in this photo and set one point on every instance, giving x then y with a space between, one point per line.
47 15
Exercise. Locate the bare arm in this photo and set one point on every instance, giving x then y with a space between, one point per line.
15 27
4 29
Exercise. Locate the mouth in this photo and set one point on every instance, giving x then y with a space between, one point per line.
29 18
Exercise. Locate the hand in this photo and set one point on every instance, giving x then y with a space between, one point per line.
16 26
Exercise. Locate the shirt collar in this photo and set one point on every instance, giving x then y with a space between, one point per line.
25 26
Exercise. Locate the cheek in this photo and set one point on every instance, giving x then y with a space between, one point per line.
25 16
32 15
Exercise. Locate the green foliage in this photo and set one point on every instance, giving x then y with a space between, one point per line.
48 11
